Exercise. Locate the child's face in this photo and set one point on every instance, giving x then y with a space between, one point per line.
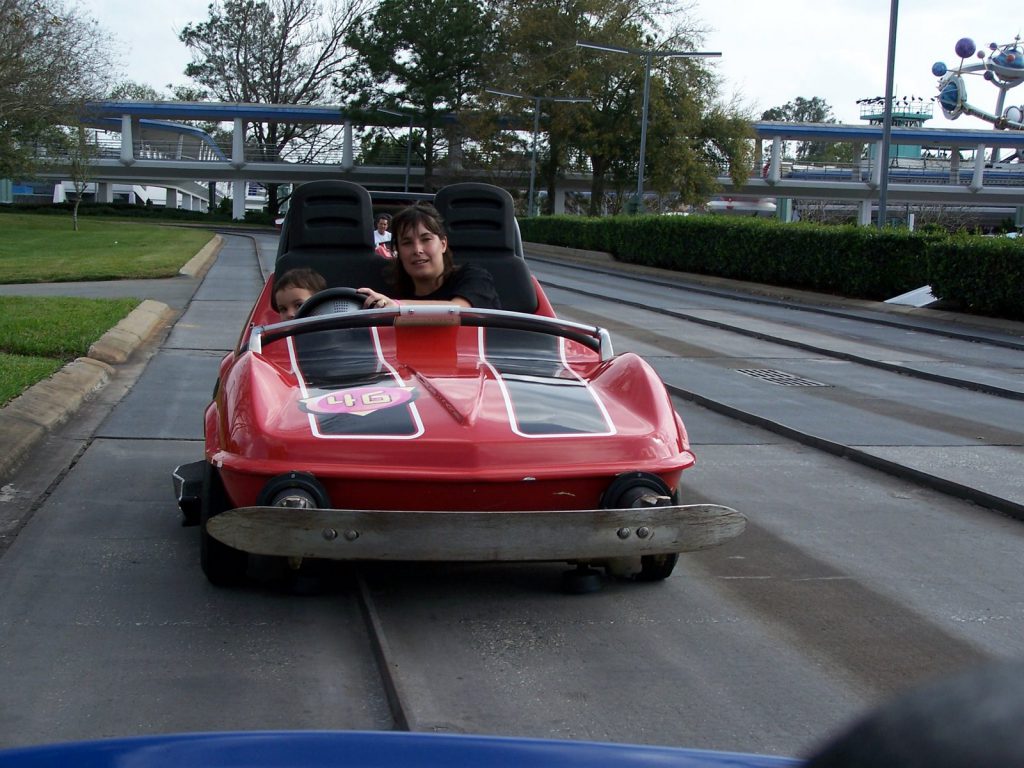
289 300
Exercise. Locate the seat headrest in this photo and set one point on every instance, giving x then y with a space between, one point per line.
328 214
479 218
482 230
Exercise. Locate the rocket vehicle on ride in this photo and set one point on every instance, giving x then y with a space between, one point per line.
436 432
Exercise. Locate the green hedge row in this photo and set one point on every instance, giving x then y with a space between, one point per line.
978 274
984 275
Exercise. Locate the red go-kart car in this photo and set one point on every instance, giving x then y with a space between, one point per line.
436 432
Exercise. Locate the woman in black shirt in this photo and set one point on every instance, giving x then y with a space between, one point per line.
424 273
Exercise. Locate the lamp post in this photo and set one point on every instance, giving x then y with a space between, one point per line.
536 127
408 142
883 188
648 58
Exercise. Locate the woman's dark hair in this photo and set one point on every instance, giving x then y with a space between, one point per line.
411 218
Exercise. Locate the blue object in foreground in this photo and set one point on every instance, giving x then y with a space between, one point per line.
353 749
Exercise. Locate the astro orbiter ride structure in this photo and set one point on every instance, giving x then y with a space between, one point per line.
1003 66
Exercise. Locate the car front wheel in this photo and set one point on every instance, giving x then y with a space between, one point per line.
223 565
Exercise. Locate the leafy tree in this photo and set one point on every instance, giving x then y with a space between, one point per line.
813 110
53 59
129 90
690 134
273 52
425 54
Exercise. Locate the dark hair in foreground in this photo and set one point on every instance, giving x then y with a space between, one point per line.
407 219
301 277
972 720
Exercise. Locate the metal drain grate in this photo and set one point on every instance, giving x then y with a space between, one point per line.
781 378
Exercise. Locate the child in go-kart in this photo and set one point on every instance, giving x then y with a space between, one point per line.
293 288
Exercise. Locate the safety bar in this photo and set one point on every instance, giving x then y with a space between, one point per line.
591 336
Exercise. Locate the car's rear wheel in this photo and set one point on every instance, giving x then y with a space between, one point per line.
656 567
642 489
223 565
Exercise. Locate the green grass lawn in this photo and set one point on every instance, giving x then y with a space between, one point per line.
44 249
57 326
38 335
18 372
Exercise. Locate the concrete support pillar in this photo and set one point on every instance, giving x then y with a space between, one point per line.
978 178
857 172
188 202
238 199
558 204
864 215
454 159
171 202
104 192
954 166
238 144
877 167
178 149
775 168
346 147
127 147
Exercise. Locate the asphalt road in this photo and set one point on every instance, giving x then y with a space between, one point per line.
848 585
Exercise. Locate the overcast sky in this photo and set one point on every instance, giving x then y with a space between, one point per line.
772 52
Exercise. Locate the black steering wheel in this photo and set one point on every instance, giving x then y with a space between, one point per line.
331 301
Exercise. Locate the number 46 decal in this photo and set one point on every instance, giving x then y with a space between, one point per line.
358 401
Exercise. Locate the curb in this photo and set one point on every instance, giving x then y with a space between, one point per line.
117 344
543 249
29 417
198 265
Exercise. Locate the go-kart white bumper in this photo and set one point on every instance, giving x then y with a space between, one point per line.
595 534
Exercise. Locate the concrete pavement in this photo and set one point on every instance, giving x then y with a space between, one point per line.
27 419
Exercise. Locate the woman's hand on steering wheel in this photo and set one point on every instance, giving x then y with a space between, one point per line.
375 300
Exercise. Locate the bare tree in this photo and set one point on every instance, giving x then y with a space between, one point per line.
272 52
53 58
81 151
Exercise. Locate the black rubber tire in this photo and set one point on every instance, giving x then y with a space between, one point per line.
582 580
625 492
224 566
656 567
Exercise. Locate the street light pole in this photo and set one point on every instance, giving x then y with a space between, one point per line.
536 129
883 188
530 210
408 142
648 58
